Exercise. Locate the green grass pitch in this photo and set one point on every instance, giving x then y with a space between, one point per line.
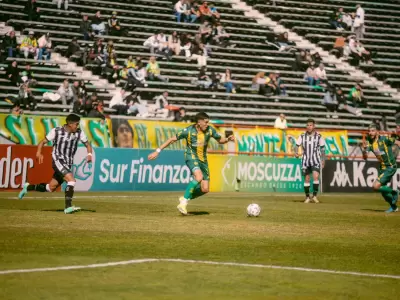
343 233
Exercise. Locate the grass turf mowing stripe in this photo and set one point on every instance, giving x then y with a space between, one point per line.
138 261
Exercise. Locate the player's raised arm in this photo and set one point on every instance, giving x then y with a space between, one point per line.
168 142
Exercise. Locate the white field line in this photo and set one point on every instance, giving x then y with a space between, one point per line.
146 260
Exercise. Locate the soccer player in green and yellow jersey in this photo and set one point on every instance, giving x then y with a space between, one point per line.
197 137
381 146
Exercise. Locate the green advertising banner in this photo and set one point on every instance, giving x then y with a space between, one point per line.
255 173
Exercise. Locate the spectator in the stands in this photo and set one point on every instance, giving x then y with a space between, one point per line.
26 97
301 64
215 81
283 41
114 25
32 10
27 76
66 93
338 47
181 116
271 85
363 53
12 73
335 20
29 45
206 32
118 102
321 74
152 43
162 107
311 75
221 36
130 62
226 80
280 85
340 97
16 109
187 48
205 12
163 45
45 45
316 58
108 50
78 90
330 101
203 80
359 22
199 52
60 2
86 28
10 44
215 15
153 70
189 15
89 103
99 52
74 48
281 122
180 11
174 43
195 11
97 111
258 83
356 95
136 78
98 25
347 21
78 107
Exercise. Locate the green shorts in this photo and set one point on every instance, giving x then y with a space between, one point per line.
385 175
194 164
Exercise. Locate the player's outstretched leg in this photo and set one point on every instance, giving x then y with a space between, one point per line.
41 187
187 196
69 195
389 195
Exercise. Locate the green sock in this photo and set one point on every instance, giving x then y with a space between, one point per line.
385 189
190 189
197 192
388 197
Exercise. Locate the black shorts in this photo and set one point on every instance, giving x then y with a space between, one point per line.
310 170
61 168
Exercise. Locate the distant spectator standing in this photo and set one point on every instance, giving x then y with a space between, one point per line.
12 73
85 28
280 122
32 10
10 44
45 45
29 45
359 22
60 2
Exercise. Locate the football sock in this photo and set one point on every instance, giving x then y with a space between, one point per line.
197 192
315 188
307 189
385 189
41 187
69 193
190 189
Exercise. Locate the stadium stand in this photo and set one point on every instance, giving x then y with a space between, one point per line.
253 49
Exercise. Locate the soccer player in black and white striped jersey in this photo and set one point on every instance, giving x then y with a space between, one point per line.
65 143
313 159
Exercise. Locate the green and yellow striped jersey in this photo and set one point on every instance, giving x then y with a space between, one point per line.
382 148
197 141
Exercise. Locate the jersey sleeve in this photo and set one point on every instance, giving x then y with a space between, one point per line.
182 134
390 141
215 134
51 135
299 141
83 138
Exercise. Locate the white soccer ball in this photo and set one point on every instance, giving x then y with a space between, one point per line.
253 210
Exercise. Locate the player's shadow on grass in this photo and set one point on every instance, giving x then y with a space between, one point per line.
376 210
61 210
198 213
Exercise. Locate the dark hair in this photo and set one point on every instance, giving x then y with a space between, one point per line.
115 125
311 121
201 116
73 118
182 108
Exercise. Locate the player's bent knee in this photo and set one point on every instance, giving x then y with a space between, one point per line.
198 177
376 186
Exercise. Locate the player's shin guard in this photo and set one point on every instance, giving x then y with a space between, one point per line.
307 189
315 187
197 192
190 189
41 187
69 193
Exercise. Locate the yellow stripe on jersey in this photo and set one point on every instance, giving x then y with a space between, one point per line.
200 145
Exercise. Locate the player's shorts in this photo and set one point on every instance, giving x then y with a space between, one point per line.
61 168
194 164
385 175
310 170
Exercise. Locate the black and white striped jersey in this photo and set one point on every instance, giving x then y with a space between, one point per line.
65 143
311 144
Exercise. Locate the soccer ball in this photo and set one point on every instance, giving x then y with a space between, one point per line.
253 210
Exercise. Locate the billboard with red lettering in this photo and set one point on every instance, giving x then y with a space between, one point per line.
18 165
